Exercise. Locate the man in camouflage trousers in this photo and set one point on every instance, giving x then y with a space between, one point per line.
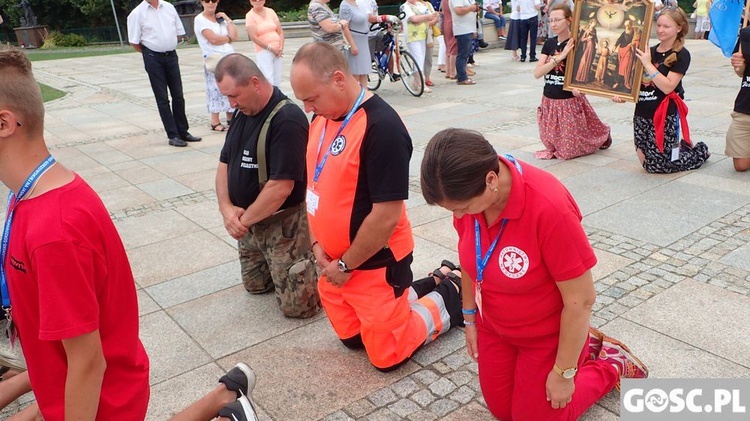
268 219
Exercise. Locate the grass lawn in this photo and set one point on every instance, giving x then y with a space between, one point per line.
60 53
49 93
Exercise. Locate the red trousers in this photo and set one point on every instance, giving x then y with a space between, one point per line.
513 376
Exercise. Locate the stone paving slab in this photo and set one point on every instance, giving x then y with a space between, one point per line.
684 210
304 375
690 311
673 279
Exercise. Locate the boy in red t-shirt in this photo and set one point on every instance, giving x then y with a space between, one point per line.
66 273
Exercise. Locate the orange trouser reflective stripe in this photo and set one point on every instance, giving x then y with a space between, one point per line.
391 328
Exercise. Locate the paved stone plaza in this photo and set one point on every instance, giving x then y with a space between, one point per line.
674 260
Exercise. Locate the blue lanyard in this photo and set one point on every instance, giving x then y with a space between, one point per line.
12 203
319 166
482 261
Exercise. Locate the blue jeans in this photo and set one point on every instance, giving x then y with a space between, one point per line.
164 72
529 26
464 49
498 19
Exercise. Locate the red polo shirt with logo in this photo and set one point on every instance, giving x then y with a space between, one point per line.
543 243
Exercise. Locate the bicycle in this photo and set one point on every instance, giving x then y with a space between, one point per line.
406 66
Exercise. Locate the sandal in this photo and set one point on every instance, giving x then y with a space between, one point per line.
467 82
450 275
471 72
214 127
429 83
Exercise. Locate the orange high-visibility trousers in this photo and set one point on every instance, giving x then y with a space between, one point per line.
392 328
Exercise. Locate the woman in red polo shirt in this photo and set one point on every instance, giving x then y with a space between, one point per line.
527 284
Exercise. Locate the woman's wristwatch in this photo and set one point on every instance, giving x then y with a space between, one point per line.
568 373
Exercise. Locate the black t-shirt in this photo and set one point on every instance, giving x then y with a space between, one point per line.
742 102
553 81
650 96
286 146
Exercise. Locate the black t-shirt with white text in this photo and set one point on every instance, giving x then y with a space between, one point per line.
650 96
742 102
286 146
553 81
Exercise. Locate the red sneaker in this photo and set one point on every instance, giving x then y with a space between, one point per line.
628 366
596 337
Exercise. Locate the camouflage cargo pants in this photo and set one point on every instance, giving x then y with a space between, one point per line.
276 255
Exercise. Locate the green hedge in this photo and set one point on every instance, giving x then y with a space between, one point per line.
56 39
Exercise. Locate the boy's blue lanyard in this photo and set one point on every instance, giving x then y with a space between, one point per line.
12 202
319 166
482 261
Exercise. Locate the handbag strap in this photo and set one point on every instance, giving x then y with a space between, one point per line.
260 150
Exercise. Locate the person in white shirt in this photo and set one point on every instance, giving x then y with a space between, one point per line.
493 9
529 10
154 29
215 33
464 15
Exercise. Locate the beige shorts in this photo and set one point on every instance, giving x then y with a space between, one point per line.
738 136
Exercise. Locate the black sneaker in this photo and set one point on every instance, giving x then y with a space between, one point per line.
239 379
239 410
483 44
533 59
395 77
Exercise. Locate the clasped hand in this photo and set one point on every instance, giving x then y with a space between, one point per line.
330 268
232 223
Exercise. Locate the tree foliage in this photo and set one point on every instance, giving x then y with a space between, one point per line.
66 14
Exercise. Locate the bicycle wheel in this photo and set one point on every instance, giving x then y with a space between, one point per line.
374 78
410 74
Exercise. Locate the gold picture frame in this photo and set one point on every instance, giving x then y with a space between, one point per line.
603 61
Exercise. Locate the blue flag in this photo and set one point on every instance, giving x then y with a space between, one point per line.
725 18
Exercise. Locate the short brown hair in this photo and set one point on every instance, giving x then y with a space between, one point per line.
239 67
565 9
455 165
19 91
322 59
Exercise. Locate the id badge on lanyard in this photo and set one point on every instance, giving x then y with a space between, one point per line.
312 197
13 201
482 261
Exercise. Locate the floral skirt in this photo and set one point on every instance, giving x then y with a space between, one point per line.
215 101
570 128
644 135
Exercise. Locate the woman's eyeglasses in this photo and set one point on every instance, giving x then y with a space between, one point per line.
210 1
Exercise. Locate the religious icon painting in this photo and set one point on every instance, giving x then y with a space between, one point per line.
607 33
